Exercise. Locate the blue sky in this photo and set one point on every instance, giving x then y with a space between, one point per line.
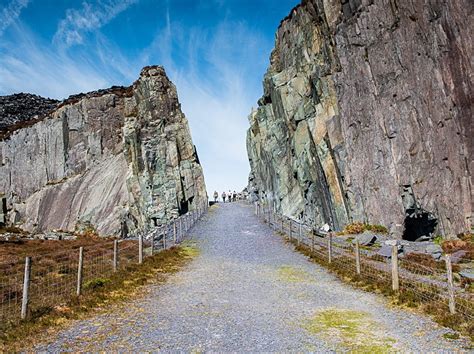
215 51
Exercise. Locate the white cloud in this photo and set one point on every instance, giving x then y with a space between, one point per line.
90 17
29 65
10 13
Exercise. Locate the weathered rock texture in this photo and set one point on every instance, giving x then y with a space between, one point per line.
367 115
116 160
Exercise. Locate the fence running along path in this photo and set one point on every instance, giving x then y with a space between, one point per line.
425 284
37 283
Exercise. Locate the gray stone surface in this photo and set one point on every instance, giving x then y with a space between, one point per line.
114 160
365 239
232 298
366 113
434 250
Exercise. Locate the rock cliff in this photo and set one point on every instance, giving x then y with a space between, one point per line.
115 161
367 116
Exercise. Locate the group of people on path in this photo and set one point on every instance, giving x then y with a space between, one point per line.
229 197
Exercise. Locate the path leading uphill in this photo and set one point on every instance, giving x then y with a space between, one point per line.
250 291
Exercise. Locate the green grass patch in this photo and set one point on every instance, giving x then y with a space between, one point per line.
354 330
293 275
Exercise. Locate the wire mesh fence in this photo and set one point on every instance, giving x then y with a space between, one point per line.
39 281
405 276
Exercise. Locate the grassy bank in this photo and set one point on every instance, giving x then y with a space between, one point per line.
99 295
411 294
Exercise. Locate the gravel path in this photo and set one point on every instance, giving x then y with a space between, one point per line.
249 291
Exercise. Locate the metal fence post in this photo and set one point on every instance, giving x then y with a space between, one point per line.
115 265
79 271
395 280
330 247
26 288
357 250
140 248
449 271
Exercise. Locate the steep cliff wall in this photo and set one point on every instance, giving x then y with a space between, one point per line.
116 160
367 116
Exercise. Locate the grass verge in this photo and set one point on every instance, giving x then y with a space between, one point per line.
374 280
99 294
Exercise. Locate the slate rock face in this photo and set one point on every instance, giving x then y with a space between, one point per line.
117 160
366 116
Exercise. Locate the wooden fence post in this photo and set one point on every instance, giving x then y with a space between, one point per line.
395 280
164 237
449 271
79 271
300 234
357 249
140 248
115 264
330 247
26 288
175 237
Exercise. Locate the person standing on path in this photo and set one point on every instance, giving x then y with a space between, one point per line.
216 195
229 196
223 196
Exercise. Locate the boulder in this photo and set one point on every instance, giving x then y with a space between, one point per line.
467 274
457 256
366 238
434 250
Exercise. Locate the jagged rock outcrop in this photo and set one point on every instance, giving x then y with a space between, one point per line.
116 160
367 116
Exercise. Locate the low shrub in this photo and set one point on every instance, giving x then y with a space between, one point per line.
96 283
358 228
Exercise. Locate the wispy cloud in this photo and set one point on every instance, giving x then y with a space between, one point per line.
90 17
27 64
10 13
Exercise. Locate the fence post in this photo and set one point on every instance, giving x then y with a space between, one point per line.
312 241
175 238
282 225
152 248
115 255
330 247
164 237
449 271
357 249
256 210
26 288
289 229
140 248
79 271
300 234
395 282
